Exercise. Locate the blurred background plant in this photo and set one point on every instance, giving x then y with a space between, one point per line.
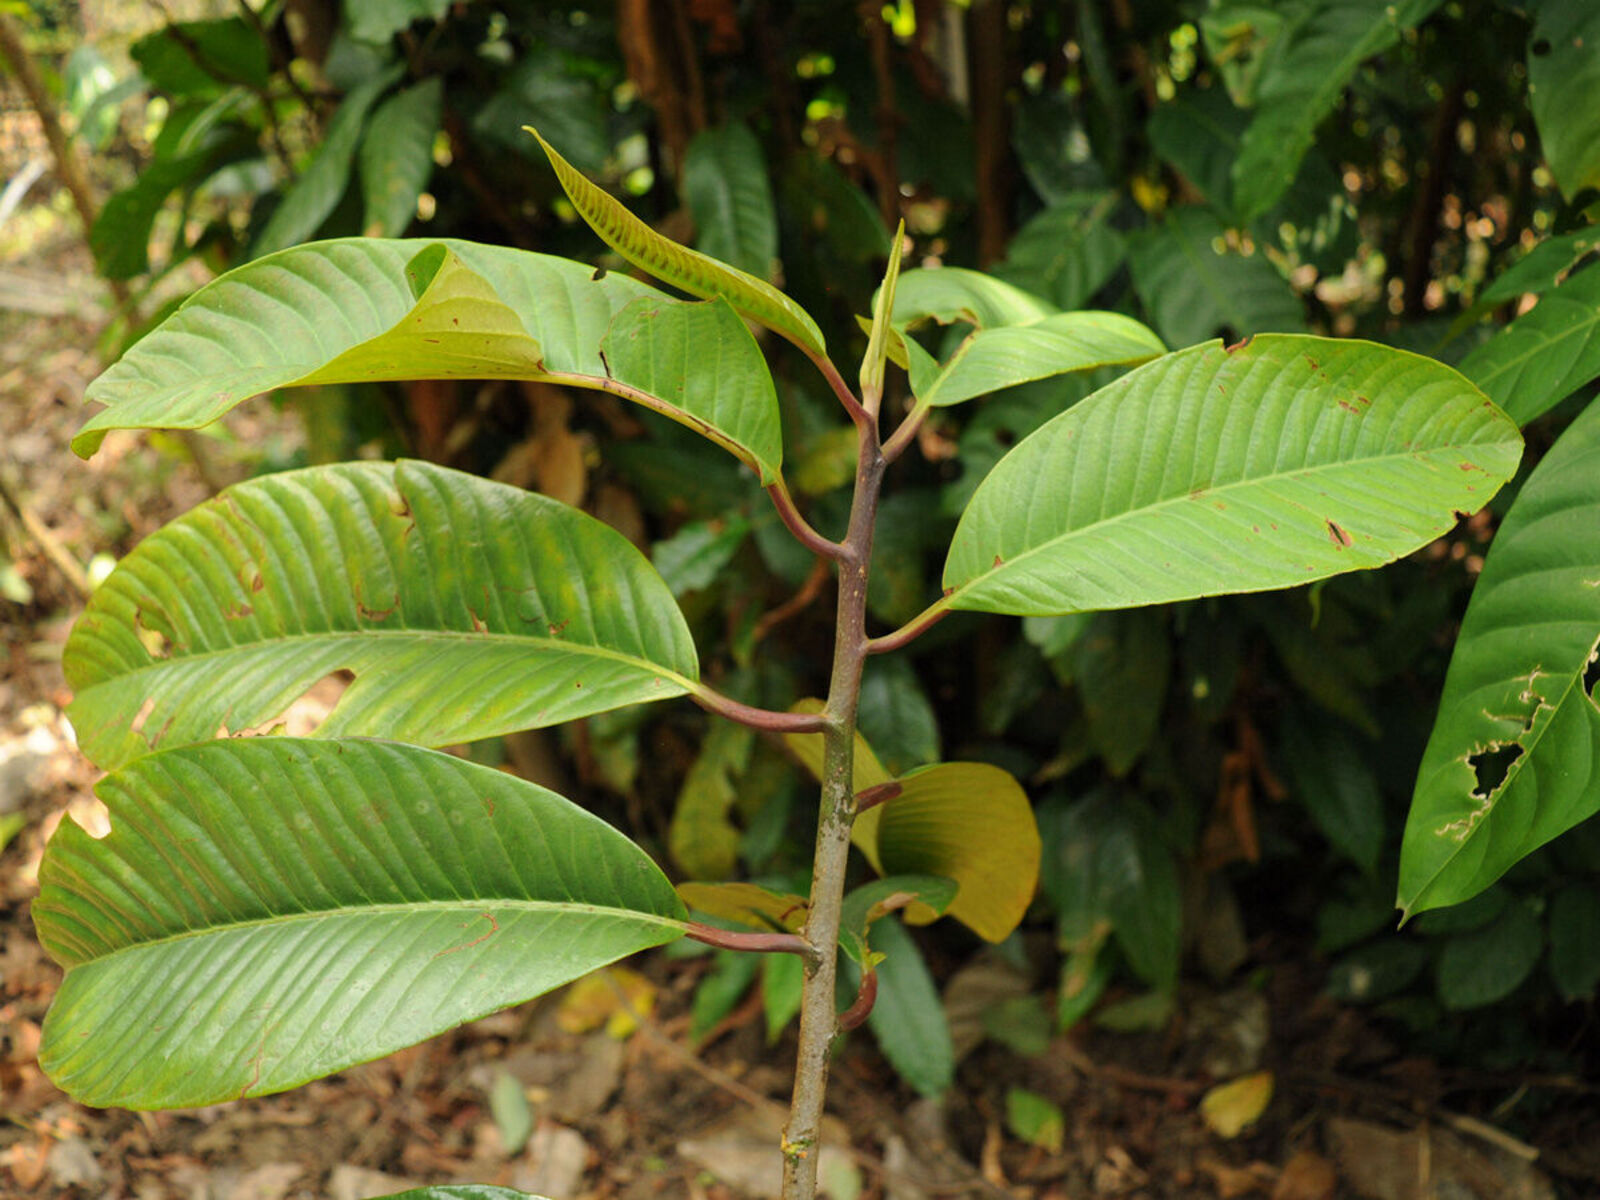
1221 785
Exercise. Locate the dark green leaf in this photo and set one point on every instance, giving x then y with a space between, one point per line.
732 973
1563 74
1575 940
397 157
1378 970
1333 778
380 20
693 557
1120 668
191 58
1512 759
895 715
1488 964
268 911
1194 286
908 1019
1546 354
1068 252
783 978
726 189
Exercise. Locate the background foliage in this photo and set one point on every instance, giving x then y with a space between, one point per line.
1217 781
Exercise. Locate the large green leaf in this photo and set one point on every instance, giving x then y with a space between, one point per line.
1546 354
465 609
908 1019
1514 758
1212 470
1068 252
361 309
1302 83
380 20
1194 286
950 294
191 58
1563 75
312 197
266 912
726 189
696 273
396 157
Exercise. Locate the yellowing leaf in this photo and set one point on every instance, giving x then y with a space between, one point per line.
615 998
747 903
1229 1108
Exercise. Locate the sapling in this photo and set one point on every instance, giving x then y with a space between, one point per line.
267 910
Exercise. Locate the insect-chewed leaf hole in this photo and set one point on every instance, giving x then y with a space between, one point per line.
1491 767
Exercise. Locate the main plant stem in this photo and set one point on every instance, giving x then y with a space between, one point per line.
819 1023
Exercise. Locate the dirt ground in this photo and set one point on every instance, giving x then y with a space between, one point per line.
550 1099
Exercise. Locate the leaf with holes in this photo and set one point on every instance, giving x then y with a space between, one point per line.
364 309
266 912
1563 73
696 273
1212 470
1514 758
465 609
1546 354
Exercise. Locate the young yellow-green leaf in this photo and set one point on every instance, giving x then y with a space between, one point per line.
365 309
746 903
970 822
1514 758
807 747
268 911
465 608
1278 461
1229 1108
695 273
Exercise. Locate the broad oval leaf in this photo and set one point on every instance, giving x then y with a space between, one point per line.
396 157
1279 461
696 273
265 912
363 309
1323 48
465 608
908 1019
1546 354
1514 758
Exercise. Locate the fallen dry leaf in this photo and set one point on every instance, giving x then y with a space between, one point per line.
1229 1108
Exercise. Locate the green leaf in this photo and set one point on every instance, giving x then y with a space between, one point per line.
990 359
726 190
364 309
543 90
513 1115
1575 940
1488 964
1546 354
1377 970
380 20
1466 916
1542 267
1107 863
970 822
783 978
1035 1120
266 912
312 197
732 972
396 157
908 1020
1068 252
1278 462
195 58
1198 133
120 235
465 608
1512 760
693 557
702 838
1333 778
951 294
895 715
1121 667
695 273
863 906
1563 75
1194 286
1301 86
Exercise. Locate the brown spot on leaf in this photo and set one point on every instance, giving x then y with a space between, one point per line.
1338 536
1239 345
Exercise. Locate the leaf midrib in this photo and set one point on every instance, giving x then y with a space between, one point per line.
1188 497
518 641
474 905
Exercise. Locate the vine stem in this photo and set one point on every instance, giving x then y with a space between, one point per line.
819 1022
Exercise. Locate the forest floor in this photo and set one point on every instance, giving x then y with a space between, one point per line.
553 1098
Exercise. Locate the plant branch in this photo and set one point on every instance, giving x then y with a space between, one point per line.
759 943
912 629
906 433
757 718
863 419
794 604
819 1022
878 793
797 524
866 996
